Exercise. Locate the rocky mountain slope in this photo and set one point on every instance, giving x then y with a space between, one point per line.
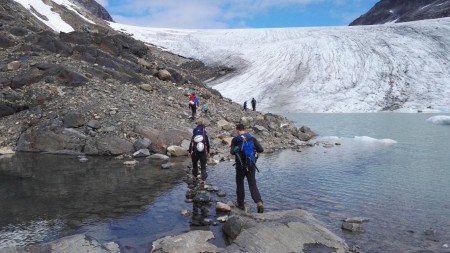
96 9
398 11
95 91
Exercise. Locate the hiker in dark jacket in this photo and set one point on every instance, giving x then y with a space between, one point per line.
245 106
253 104
243 170
199 150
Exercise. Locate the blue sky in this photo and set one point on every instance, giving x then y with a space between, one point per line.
225 14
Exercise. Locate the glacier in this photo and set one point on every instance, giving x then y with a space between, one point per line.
402 67
392 67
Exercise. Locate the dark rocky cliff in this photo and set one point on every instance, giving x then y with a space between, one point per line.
96 9
398 11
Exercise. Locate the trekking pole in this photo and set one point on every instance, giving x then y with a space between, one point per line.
256 159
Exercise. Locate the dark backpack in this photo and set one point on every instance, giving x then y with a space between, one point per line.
196 132
246 150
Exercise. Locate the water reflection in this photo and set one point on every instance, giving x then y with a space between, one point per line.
48 194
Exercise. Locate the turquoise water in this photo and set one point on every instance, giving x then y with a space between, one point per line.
393 169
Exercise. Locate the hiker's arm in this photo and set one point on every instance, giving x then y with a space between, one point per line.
232 146
258 146
190 146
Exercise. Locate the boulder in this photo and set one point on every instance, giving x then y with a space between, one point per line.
15 65
176 151
161 139
141 143
6 151
113 145
70 244
73 119
36 140
159 157
146 87
286 231
164 75
259 129
141 153
225 125
94 124
222 207
192 242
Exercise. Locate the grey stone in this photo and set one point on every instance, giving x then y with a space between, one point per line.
288 231
164 75
74 133
73 119
259 129
176 151
353 227
15 65
141 153
141 143
71 244
192 242
158 157
94 124
167 166
113 145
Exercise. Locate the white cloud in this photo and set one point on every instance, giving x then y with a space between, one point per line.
195 13
205 13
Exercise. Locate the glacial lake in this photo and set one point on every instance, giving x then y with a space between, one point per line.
391 168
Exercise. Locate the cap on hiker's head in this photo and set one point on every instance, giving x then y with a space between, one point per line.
240 127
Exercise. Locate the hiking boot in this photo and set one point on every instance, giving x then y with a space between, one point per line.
203 184
260 207
242 207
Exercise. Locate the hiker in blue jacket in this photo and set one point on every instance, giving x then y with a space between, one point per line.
244 169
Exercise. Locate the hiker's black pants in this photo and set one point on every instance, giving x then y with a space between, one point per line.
194 110
242 173
202 156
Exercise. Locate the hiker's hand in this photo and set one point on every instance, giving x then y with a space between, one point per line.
190 154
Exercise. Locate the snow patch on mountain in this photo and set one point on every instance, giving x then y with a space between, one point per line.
44 12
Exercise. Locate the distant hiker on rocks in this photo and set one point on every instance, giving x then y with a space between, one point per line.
199 151
253 104
205 109
193 104
243 147
245 106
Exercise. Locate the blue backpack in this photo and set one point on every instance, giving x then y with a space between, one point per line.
246 150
